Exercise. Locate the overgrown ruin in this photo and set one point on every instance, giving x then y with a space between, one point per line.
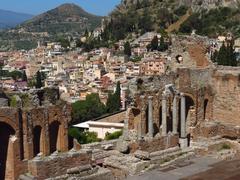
167 114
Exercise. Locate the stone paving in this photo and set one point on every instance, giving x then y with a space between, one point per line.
179 170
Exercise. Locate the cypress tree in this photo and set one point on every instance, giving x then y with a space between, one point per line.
114 100
154 43
118 96
163 46
127 49
24 76
39 80
222 55
232 60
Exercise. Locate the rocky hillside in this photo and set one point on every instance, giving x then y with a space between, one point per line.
208 17
65 18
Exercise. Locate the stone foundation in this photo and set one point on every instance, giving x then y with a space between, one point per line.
57 164
155 144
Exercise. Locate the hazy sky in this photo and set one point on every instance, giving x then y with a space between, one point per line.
98 7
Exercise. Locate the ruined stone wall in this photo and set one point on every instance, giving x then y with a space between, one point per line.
226 104
56 165
156 144
212 129
23 141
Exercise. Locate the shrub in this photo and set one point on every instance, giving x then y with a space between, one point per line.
225 147
111 136
13 102
83 137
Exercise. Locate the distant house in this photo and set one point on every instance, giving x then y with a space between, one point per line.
145 39
152 66
101 128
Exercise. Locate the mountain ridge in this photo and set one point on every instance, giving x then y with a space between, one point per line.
65 21
208 17
10 19
65 14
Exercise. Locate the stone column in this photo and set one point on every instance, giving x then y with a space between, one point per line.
142 119
183 139
126 127
175 114
183 116
150 116
164 114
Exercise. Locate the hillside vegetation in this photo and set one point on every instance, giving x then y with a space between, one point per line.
67 18
207 17
63 21
214 22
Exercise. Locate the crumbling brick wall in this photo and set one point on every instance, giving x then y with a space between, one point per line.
57 165
226 104
23 120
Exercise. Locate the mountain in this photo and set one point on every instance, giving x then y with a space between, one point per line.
207 17
9 19
67 18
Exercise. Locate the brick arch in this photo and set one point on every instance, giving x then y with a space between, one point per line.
54 135
208 103
5 151
38 141
191 96
10 122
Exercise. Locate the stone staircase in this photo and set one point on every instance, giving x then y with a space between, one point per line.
165 157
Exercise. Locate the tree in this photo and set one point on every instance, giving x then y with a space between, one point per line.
111 104
15 75
114 100
118 95
226 55
163 46
91 108
127 49
24 76
232 59
154 43
86 33
39 80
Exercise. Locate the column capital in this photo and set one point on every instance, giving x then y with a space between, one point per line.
164 96
182 94
150 97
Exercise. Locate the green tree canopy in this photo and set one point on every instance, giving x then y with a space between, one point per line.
226 55
39 83
127 49
24 76
154 43
114 100
88 109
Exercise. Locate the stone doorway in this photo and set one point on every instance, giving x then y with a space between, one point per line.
54 136
205 109
6 131
37 132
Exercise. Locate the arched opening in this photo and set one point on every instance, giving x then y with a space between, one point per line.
169 119
53 135
37 131
6 131
160 116
190 115
189 105
205 116
70 142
